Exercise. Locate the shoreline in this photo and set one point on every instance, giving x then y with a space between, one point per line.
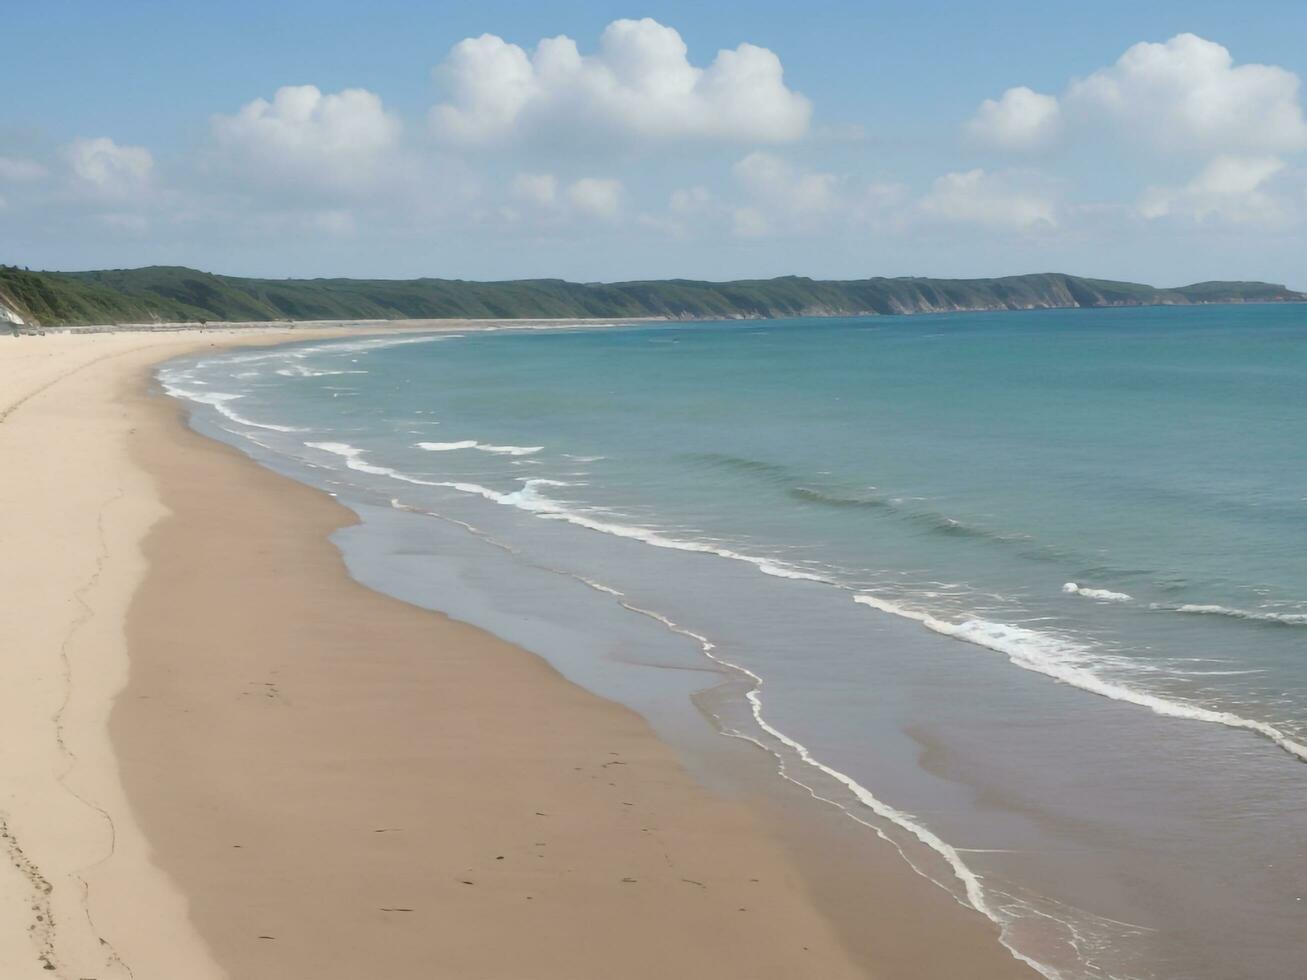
295 767
438 324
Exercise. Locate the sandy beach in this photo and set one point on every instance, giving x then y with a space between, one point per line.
221 757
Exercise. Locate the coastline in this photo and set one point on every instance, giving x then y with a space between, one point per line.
317 792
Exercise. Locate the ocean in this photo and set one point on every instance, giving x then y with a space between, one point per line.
1023 593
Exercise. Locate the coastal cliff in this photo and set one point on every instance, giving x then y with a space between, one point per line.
176 294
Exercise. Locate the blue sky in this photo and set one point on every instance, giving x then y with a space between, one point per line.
1160 142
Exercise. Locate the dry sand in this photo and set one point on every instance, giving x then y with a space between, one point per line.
302 778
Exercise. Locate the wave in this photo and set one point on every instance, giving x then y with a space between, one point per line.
813 496
302 371
743 464
444 447
1253 615
218 401
375 343
927 520
529 498
1106 595
353 459
289 356
1072 663
1193 608
793 482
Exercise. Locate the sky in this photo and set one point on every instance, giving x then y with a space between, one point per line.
1162 142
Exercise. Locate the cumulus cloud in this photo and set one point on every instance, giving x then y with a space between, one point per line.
1009 200
1188 94
639 84
102 168
19 169
339 141
1229 188
1022 119
1185 95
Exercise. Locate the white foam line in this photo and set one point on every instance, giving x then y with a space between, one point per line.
1200 609
1054 657
445 447
218 402
529 499
300 371
375 343
352 454
1106 595
1289 619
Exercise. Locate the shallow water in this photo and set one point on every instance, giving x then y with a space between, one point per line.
1024 592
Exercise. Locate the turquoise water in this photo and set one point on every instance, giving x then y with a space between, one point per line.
1025 592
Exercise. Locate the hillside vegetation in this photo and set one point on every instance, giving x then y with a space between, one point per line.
170 294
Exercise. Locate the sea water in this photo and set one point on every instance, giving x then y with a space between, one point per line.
1024 593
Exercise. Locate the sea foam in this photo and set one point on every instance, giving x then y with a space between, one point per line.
1072 663
219 402
445 447
1105 595
1255 615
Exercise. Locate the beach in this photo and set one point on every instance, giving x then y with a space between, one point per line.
222 757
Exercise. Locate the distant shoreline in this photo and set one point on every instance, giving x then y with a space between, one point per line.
169 295
543 323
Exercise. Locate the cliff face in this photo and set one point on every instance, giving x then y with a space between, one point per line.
9 311
177 294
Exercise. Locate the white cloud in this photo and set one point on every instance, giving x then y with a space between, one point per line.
1022 119
640 84
339 141
598 197
17 169
1011 200
1188 94
102 168
1229 188
1183 96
